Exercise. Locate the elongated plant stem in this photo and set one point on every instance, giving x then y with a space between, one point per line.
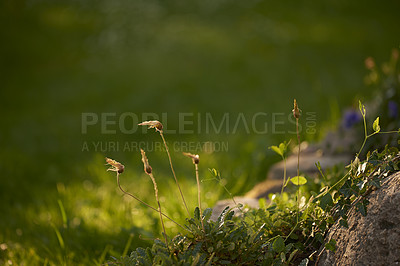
199 194
365 135
298 169
173 172
284 174
144 203
159 207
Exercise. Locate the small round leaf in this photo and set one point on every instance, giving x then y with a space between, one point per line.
298 180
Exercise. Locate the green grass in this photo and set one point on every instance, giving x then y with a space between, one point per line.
62 59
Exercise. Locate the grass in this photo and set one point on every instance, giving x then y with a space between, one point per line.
60 60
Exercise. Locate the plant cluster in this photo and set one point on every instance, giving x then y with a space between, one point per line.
290 230
271 235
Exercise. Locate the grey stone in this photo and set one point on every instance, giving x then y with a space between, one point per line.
222 204
373 239
273 183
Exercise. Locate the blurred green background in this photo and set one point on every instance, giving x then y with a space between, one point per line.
60 59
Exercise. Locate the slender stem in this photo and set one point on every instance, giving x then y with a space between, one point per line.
385 132
159 206
362 146
173 172
298 169
291 232
338 182
365 127
370 135
284 174
232 197
199 195
162 223
144 203
365 135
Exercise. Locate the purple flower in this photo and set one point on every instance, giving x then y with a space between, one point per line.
350 118
393 109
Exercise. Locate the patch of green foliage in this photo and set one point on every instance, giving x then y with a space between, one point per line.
271 235
290 230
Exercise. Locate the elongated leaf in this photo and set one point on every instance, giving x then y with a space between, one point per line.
221 217
298 180
292 254
318 165
197 213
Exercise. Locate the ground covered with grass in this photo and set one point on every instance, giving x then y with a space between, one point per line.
63 60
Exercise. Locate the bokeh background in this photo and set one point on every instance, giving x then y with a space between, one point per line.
60 59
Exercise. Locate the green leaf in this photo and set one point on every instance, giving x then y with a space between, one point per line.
262 202
298 180
347 189
207 214
362 207
331 245
283 257
281 149
214 172
375 181
292 254
279 244
318 165
326 201
375 125
277 150
221 217
197 213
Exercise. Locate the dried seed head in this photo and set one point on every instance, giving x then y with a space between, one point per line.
147 167
153 124
115 166
296 111
195 158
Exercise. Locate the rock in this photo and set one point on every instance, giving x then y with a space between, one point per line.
373 239
307 164
308 158
222 204
261 190
342 141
